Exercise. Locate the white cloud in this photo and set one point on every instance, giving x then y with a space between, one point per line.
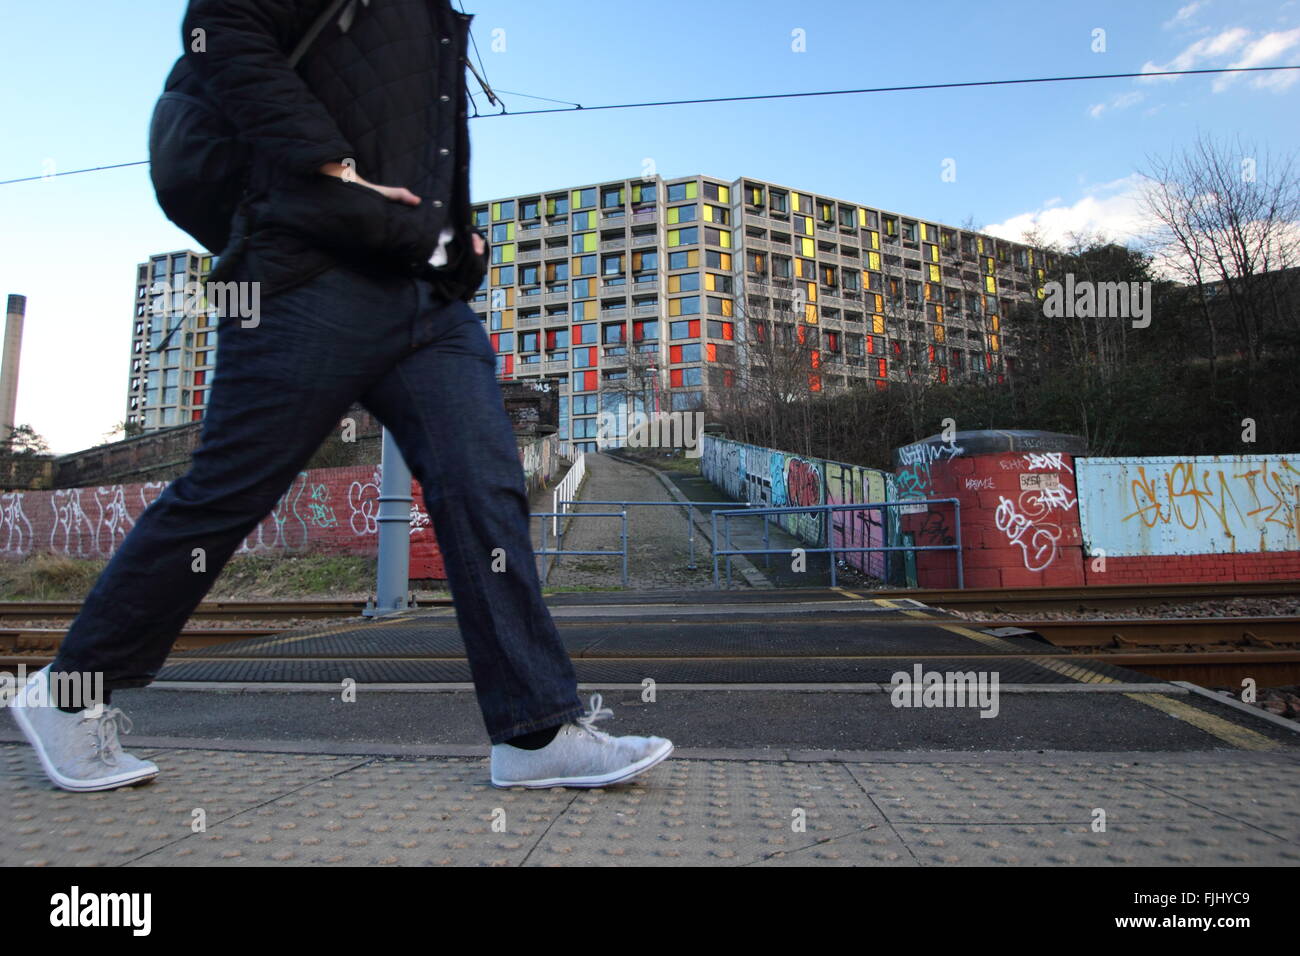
1268 50
1185 14
1198 54
1112 209
1120 102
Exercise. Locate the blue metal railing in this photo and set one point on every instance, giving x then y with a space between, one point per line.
728 551
543 551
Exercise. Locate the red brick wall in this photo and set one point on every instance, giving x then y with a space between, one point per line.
1175 568
1012 534
325 511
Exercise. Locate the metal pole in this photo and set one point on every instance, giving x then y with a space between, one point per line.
713 519
830 541
956 507
394 567
690 534
624 547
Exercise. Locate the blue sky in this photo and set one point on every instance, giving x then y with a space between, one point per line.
78 81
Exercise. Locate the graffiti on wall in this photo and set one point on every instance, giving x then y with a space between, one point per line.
770 478
1194 505
915 462
1032 522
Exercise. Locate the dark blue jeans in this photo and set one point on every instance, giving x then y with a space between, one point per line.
425 368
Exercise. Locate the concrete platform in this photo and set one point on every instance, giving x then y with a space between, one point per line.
260 809
791 751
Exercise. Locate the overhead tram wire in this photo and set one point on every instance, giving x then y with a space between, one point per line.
970 84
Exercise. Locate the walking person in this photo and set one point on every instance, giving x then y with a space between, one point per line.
363 291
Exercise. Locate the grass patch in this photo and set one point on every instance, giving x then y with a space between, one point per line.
49 577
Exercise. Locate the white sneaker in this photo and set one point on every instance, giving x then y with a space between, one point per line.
579 756
77 751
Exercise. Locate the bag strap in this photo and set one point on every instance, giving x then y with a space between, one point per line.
314 31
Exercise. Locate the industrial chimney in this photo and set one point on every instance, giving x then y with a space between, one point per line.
14 314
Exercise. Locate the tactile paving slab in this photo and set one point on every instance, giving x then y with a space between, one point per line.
289 809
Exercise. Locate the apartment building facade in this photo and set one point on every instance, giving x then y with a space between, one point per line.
652 293
169 385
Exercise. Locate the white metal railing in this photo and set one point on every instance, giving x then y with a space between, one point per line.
567 491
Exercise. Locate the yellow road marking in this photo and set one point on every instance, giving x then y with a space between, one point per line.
1225 730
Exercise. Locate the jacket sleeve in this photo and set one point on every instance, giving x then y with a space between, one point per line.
242 65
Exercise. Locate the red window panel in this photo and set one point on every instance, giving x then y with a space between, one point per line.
695 328
674 354
196 415
675 378
815 383
198 397
711 352
510 366
833 341
816 359
871 345
988 361
881 384
200 378
880 368
943 375
1002 379
802 334
550 339
638 331
898 348
728 377
728 331
931 354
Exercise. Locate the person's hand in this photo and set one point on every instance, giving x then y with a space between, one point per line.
393 193
478 245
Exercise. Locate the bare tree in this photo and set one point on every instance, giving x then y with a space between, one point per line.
1228 225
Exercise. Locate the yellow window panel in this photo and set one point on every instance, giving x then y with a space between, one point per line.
674 283
995 323
726 239
862 219
496 211
934 273
727 308
508 252
979 245
708 213
993 343
510 296
875 240
938 313
674 306
938 333
575 200
724 194
496 276
990 284
807 226
807 247
692 190
508 319
693 259
929 292
878 324
810 313
934 253
880 302
873 261
674 237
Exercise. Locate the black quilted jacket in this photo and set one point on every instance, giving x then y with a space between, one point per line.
382 86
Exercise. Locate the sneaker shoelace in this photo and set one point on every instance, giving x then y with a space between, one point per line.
587 721
107 746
